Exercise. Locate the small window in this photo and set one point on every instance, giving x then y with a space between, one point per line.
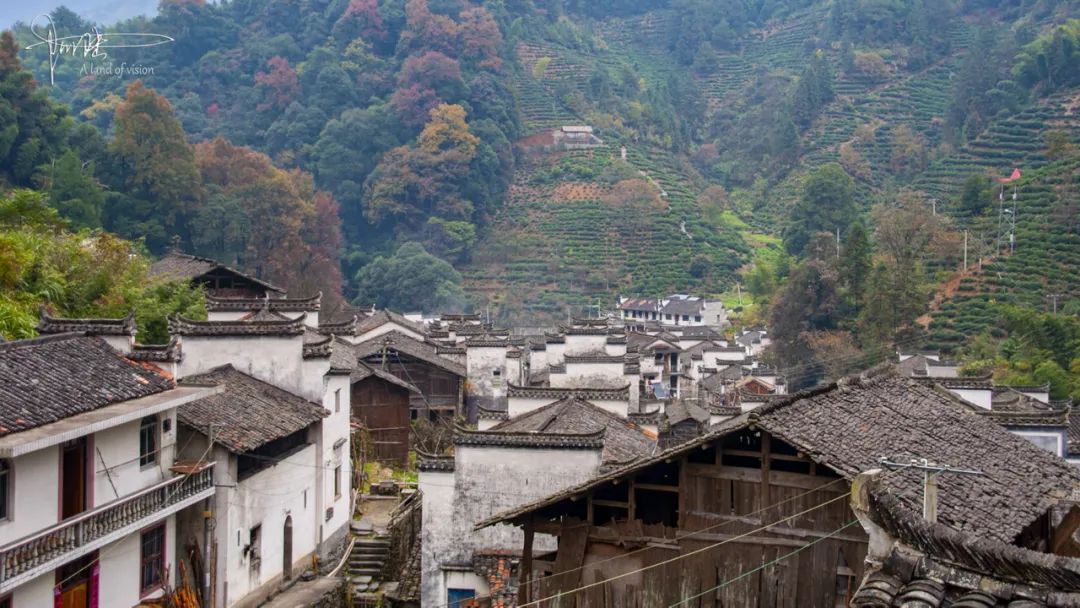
697 318
5 491
845 582
337 482
686 317
253 550
148 440
337 400
668 317
496 378
152 571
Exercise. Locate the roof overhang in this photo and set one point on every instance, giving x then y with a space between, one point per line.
87 423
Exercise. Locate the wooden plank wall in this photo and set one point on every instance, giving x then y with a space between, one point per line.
384 409
721 495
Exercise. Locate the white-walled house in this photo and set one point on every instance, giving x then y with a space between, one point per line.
287 404
89 495
545 449
278 503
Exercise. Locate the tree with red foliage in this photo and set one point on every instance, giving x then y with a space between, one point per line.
480 38
361 19
280 85
270 221
413 104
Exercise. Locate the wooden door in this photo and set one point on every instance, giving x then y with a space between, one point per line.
73 478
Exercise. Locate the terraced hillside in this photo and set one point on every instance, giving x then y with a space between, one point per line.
601 248
564 239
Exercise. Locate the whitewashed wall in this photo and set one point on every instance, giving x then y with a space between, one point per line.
274 359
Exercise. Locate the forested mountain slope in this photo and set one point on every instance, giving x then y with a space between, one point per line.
793 147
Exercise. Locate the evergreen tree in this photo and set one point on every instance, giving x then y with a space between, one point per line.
827 203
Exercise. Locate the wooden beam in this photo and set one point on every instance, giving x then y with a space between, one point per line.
526 564
610 503
766 446
631 508
656 486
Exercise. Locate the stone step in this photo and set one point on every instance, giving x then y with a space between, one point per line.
373 572
354 566
372 541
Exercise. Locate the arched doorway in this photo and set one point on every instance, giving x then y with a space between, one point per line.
286 564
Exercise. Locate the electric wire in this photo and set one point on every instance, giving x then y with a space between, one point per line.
687 554
115 544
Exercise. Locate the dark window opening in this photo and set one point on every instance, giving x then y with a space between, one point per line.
779 446
610 491
337 482
653 507
746 462
705 456
148 440
152 559
749 441
269 454
253 550
663 473
603 515
824 471
801 467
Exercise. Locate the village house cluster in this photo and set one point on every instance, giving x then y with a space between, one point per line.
643 456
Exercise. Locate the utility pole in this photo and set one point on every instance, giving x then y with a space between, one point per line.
738 288
1053 297
837 242
934 203
930 472
965 250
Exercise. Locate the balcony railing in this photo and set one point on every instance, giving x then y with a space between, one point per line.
89 528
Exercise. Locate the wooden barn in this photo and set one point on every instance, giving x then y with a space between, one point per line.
380 404
757 511
439 380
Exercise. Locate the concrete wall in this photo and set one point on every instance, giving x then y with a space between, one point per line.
335 430
285 489
438 513
274 359
487 480
118 449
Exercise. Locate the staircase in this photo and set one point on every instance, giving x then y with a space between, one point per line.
366 564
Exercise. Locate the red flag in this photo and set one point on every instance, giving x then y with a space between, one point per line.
1012 177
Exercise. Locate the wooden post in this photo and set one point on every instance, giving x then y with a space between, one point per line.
930 496
526 564
766 448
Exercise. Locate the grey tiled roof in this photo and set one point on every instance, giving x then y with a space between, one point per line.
848 426
364 371
382 317
281 326
181 266
92 327
170 352
249 412
397 342
589 394
623 440
47 379
278 304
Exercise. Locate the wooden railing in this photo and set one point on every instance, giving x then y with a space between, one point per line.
51 543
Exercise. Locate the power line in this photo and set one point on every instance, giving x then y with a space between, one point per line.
108 549
643 549
767 564
686 555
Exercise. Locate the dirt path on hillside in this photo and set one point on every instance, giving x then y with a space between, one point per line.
949 288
